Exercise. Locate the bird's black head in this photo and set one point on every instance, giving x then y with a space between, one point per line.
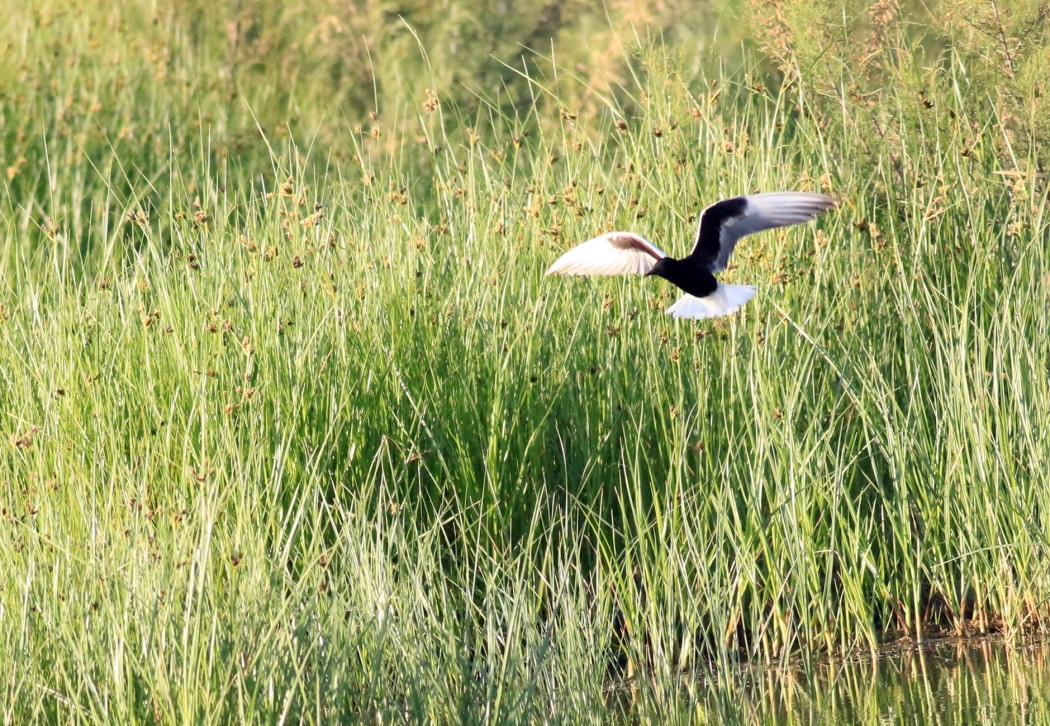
660 268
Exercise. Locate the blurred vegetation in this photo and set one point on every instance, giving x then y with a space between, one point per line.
388 83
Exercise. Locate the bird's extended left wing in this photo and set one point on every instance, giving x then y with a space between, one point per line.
613 253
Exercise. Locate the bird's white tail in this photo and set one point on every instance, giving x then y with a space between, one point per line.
724 300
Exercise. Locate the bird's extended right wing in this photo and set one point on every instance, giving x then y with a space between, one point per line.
613 253
725 222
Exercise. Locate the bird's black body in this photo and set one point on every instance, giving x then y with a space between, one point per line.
687 274
693 273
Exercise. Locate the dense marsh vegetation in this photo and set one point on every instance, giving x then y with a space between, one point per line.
294 426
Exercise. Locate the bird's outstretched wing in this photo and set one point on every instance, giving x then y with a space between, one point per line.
724 223
613 253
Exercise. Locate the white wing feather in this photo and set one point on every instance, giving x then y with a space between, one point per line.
613 253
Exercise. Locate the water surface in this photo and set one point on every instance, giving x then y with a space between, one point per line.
973 681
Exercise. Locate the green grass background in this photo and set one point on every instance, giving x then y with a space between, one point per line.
294 427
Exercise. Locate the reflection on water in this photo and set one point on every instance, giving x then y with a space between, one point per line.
947 682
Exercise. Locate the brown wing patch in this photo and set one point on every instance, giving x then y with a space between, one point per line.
631 242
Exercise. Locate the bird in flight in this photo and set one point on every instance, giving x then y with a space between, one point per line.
721 227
